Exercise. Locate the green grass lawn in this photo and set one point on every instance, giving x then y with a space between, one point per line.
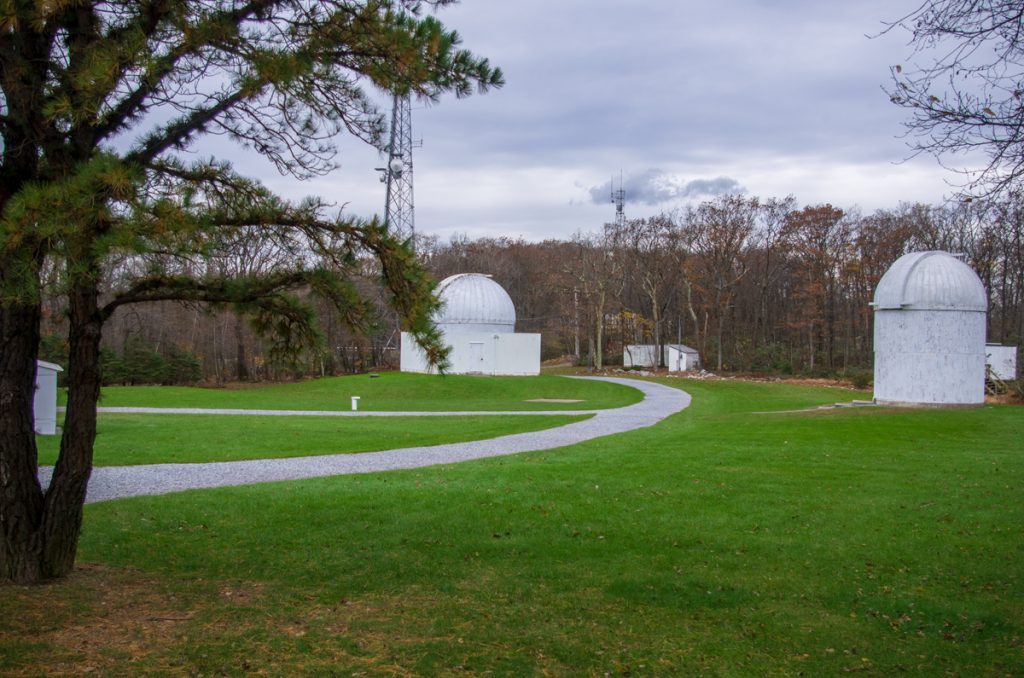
387 392
719 543
126 439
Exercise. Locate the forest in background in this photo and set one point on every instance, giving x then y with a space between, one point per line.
756 285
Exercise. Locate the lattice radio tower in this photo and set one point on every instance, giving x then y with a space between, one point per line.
397 174
619 198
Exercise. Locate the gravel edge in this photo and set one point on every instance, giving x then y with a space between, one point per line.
118 482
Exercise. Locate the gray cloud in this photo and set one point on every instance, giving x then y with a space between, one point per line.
785 96
655 186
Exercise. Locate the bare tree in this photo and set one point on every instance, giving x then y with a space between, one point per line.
722 229
653 253
1006 320
968 95
597 273
770 248
246 254
821 239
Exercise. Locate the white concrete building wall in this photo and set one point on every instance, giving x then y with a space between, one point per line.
675 360
692 361
45 402
1002 360
509 354
639 355
411 358
930 357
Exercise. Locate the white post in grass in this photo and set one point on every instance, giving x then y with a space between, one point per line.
355 403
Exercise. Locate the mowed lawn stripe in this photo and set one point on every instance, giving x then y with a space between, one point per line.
718 542
389 392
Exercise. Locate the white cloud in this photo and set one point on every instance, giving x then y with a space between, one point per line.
657 187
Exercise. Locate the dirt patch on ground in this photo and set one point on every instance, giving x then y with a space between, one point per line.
105 621
802 381
712 376
100 621
1005 399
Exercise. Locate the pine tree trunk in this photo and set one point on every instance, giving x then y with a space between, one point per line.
40 530
62 517
21 499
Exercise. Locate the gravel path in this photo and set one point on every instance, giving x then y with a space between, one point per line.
116 482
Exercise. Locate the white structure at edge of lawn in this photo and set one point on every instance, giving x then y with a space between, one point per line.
45 403
1001 361
930 312
477 319
678 357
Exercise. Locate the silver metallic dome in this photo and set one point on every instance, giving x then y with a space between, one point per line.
472 302
934 281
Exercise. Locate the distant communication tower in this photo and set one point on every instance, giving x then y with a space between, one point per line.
398 209
619 198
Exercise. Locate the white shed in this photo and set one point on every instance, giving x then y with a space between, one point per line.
678 358
639 355
477 319
1001 361
45 403
930 311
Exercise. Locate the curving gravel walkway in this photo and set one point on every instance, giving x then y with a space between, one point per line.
116 482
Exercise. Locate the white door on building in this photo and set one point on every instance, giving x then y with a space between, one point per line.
476 356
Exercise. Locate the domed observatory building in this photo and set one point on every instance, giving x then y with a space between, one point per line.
930 311
477 319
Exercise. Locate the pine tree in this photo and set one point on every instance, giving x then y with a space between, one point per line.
101 101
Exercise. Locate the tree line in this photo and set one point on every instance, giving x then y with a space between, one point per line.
753 284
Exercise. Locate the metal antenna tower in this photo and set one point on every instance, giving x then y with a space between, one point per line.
619 198
397 174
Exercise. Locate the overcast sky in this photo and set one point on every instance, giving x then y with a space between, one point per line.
687 99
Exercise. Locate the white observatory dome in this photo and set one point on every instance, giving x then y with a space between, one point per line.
930 332
472 302
930 281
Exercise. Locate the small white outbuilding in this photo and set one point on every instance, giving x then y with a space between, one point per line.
930 312
640 355
477 319
678 358
1001 361
45 403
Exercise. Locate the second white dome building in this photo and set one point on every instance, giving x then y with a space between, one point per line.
930 311
477 318
473 302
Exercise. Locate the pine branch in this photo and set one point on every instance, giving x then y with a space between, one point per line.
134 104
213 290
